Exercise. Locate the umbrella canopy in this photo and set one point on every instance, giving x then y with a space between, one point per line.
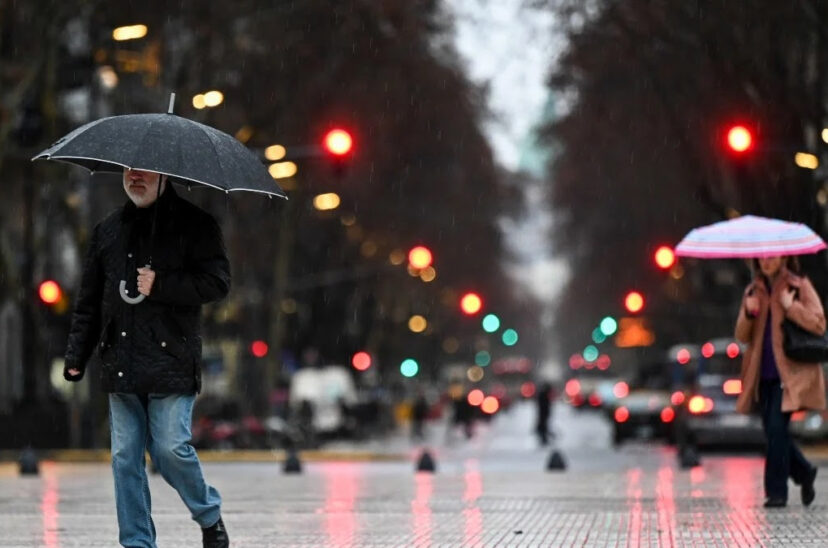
749 237
168 144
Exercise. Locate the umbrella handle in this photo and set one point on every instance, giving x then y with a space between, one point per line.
125 296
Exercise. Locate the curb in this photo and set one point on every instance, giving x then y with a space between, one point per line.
205 455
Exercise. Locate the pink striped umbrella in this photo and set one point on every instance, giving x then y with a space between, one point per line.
749 237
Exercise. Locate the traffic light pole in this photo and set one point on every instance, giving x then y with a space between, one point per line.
281 270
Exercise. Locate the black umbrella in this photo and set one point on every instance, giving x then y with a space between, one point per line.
167 144
182 149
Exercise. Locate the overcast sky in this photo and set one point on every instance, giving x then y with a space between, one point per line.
509 47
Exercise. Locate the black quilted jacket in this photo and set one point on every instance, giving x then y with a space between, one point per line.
153 346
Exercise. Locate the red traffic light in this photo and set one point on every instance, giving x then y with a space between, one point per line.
739 139
471 303
361 361
49 292
634 302
259 349
420 257
338 142
664 257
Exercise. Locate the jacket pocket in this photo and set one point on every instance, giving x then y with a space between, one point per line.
171 341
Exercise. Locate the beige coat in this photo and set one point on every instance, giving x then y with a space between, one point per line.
803 385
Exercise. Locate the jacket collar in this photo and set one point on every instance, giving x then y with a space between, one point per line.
786 277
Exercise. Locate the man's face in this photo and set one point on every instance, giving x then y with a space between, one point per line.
142 186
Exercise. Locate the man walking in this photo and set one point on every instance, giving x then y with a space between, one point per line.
150 352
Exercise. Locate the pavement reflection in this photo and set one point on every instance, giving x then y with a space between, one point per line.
49 505
341 492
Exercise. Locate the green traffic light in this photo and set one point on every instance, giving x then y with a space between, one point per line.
609 326
409 367
590 353
510 337
598 336
491 323
482 358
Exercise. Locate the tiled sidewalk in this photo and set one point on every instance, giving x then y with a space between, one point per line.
464 504
489 491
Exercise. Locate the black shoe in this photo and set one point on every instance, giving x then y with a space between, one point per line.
807 493
215 536
772 502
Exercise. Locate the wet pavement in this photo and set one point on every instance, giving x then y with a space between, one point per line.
489 491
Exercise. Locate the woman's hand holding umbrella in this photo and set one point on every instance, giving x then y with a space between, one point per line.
787 297
752 306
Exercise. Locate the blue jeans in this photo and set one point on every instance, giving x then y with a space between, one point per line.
783 458
161 424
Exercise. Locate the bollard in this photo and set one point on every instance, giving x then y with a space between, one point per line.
292 463
28 462
426 462
556 461
688 457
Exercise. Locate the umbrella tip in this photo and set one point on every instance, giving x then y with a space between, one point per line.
172 103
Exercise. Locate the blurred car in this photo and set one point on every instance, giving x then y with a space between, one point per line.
608 391
218 423
588 389
810 425
708 416
645 410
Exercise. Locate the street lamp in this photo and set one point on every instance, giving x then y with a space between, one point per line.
806 160
327 201
212 98
130 32
275 153
417 323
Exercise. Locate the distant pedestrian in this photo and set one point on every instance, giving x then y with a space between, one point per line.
543 399
770 379
419 414
150 352
463 415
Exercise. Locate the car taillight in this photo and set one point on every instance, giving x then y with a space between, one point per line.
594 400
699 404
667 415
677 398
572 388
621 390
798 416
732 387
622 414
